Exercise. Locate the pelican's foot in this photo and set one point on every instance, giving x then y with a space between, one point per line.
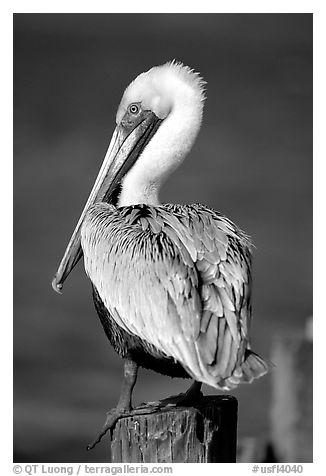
182 400
116 414
111 419
187 399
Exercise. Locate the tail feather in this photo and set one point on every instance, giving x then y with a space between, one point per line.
251 368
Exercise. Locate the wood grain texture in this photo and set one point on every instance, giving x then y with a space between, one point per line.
206 433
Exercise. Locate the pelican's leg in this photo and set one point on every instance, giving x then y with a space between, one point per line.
192 396
123 407
130 376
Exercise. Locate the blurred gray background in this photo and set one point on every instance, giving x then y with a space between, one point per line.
252 161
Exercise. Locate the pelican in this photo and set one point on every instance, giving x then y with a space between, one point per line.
171 283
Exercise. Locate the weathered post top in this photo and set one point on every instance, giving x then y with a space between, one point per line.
205 433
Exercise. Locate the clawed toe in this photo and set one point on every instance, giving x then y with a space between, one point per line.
189 398
111 419
115 414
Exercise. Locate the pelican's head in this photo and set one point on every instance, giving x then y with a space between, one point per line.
163 88
157 120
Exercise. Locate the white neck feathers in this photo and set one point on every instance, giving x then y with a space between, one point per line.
182 89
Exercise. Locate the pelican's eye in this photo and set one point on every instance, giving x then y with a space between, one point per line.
134 109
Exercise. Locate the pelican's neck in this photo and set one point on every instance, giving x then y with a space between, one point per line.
163 154
134 194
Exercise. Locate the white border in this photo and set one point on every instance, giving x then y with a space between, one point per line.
315 7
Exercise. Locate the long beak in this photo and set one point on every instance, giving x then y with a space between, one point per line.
125 147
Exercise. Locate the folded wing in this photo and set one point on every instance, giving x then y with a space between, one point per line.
179 278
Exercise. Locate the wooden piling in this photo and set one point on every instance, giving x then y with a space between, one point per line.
206 433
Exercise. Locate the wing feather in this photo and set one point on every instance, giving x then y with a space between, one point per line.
205 318
207 340
224 355
178 277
